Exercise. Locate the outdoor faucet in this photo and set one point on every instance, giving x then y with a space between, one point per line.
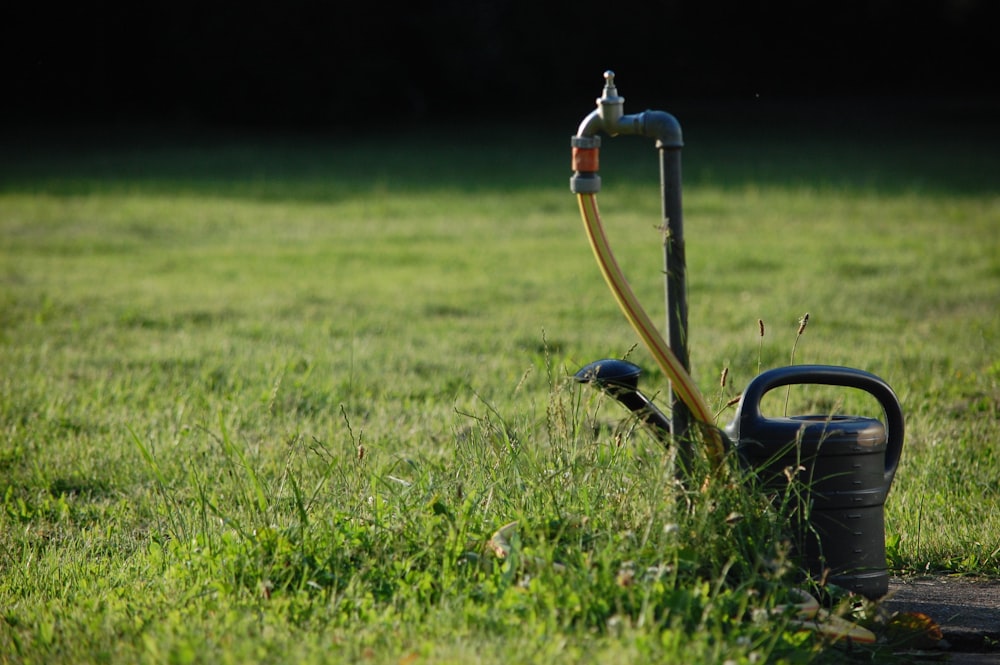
609 117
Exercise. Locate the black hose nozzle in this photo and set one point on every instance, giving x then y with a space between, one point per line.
620 380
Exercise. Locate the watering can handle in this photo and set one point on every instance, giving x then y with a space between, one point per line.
749 408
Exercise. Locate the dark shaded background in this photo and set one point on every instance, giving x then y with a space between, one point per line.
353 64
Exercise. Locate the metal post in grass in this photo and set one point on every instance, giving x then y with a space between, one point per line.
675 273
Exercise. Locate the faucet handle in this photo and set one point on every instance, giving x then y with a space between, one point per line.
610 94
609 82
610 106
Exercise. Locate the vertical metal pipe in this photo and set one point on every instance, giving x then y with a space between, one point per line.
675 277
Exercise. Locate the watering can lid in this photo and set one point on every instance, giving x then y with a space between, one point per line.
814 434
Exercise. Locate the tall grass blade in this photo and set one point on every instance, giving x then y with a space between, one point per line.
173 512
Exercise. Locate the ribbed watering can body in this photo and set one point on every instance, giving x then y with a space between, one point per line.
844 466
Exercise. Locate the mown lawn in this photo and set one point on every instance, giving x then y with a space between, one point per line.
267 399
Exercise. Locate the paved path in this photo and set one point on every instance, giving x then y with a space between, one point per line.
967 609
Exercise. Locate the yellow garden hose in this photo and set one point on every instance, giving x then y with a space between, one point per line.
681 382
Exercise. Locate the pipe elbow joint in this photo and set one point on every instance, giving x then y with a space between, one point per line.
658 125
663 127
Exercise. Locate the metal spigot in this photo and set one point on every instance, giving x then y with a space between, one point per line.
609 117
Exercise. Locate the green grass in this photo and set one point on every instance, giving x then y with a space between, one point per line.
268 399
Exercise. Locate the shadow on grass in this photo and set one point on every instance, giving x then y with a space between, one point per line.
941 147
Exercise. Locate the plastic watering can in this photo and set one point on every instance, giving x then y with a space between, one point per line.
845 464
